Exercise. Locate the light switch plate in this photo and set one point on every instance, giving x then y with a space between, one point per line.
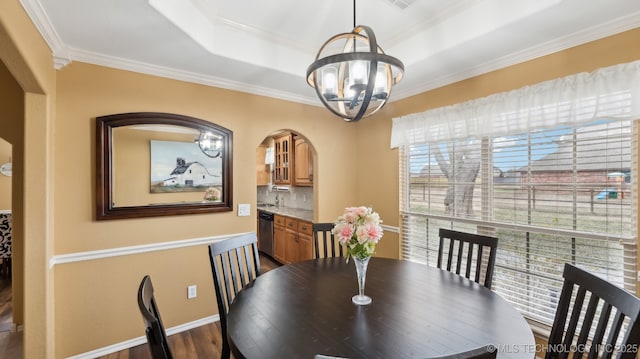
244 209
192 291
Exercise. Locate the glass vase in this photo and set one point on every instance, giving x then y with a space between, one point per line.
361 270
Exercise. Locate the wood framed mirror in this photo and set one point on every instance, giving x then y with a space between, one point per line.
157 164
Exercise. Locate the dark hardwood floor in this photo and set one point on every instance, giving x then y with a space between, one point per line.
6 306
197 343
10 342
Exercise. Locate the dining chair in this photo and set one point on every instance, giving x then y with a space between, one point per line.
235 264
156 336
325 243
468 249
593 301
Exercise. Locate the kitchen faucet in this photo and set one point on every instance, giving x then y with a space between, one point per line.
278 198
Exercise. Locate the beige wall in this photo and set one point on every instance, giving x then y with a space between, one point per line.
87 91
354 166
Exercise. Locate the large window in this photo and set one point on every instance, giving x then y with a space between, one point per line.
550 169
552 196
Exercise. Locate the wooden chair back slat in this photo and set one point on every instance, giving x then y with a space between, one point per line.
235 264
603 298
476 245
325 243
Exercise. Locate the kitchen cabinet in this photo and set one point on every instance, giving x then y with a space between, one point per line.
303 162
299 237
293 239
291 244
305 241
262 170
279 238
283 155
293 161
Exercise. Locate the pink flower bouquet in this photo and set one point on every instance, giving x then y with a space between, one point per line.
358 229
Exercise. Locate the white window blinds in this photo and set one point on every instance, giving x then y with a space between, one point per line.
553 195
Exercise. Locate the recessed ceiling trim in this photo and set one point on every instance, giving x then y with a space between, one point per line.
454 9
209 12
221 38
456 30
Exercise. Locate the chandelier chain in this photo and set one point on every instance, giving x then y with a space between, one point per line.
354 14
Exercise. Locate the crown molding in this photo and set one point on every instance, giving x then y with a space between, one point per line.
628 22
187 76
42 22
63 55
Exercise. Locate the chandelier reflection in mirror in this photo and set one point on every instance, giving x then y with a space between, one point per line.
352 76
210 144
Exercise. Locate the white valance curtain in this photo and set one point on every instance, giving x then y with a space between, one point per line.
610 92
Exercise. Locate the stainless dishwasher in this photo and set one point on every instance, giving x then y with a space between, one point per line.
265 232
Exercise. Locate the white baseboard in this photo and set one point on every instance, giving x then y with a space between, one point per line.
142 340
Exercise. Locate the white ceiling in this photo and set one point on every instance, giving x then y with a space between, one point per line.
265 46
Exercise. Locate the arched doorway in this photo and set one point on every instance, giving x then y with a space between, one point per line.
285 168
285 165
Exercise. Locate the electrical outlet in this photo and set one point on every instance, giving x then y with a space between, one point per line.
192 291
244 209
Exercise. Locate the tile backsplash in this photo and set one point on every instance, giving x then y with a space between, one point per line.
294 197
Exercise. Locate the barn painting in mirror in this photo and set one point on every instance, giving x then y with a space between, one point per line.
183 167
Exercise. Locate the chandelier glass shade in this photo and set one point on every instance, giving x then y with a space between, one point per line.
352 76
210 144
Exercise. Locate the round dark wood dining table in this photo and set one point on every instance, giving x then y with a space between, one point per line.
418 311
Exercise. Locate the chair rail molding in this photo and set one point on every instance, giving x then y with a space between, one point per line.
145 248
392 229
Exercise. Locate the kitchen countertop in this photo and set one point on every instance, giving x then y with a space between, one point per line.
303 214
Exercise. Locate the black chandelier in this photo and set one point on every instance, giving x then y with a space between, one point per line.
352 75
